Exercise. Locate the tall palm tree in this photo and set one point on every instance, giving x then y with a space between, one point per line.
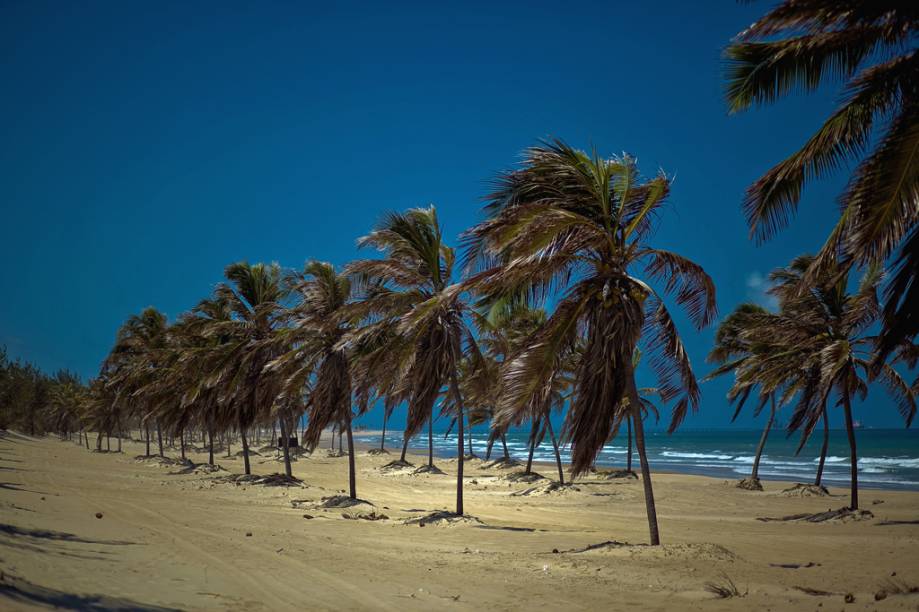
135 361
580 224
319 324
737 350
255 294
833 325
410 292
870 44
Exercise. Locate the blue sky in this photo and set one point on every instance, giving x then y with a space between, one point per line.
146 146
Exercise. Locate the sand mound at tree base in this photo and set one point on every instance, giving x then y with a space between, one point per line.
429 469
523 477
378 451
750 484
443 518
842 515
364 516
615 474
805 490
342 501
161 461
549 488
334 454
271 480
504 463
397 466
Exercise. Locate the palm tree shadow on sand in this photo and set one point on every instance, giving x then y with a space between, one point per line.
22 591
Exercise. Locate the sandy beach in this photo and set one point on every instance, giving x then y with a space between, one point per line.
173 537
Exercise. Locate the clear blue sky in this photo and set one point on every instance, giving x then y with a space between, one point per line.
147 145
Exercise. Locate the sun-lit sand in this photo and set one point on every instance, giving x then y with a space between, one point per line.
193 541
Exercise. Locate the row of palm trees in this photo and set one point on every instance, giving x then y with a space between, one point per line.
461 337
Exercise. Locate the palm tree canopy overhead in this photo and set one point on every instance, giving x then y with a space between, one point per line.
871 45
580 224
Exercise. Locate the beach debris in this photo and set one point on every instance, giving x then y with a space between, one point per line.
888 522
750 484
842 514
814 592
899 587
880 595
341 501
162 461
849 598
725 588
248 534
615 474
378 451
875 502
308 516
364 516
334 454
442 518
805 490
269 480
554 551
98 515
548 488
523 477
795 565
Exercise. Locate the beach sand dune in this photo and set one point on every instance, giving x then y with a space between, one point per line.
83 530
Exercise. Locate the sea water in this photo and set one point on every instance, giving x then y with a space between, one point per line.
887 458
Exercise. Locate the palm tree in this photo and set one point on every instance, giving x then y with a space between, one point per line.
135 361
799 45
833 325
319 324
579 224
409 293
254 294
736 350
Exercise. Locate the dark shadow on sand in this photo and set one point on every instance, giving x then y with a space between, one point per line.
22 591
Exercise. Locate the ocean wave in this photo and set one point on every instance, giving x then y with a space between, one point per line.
678 455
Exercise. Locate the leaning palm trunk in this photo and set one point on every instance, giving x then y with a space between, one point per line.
533 434
285 444
159 438
853 455
469 434
754 475
383 435
245 443
507 455
459 445
352 482
628 461
558 456
210 445
431 441
825 447
635 407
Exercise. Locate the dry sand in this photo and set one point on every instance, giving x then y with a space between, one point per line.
190 541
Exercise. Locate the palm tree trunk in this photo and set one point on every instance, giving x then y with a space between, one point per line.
826 444
99 441
491 442
182 442
159 437
404 447
242 435
352 479
558 456
853 455
210 445
507 455
431 439
628 465
469 435
533 433
285 444
383 435
635 406
459 445
341 451
147 429
762 440
108 443
86 437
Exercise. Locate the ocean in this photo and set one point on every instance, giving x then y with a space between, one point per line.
888 458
